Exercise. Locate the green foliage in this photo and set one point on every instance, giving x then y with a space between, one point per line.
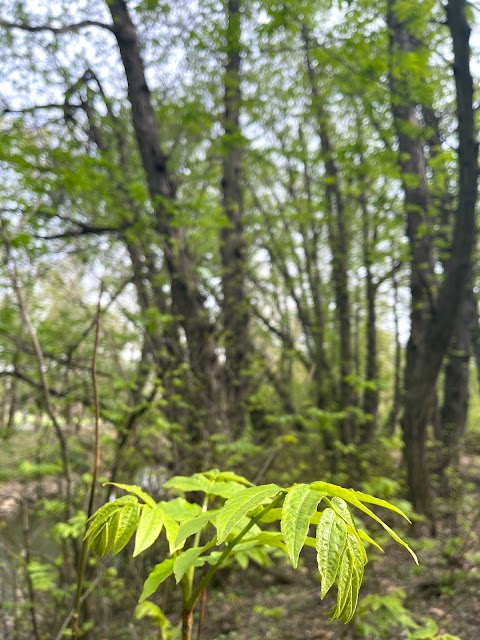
153 611
238 529
42 575
385 616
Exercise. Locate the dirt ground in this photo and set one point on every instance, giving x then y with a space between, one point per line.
285 605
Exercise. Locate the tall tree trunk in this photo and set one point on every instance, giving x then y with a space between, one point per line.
431 333
475 331
393 416
187 300
369 231
339 245
311 241
233 245
455 395
370 396
417 203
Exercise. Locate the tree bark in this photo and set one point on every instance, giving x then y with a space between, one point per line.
233 245
455 395
392 420
431 332
339 245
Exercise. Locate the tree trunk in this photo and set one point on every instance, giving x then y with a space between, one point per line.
455 395
188 302
339 245
431 333
393 416
233 245
370 395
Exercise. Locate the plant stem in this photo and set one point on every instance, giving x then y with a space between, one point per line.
205 581
95 472
187 624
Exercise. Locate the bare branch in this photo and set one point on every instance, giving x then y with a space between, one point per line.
67 28
83 230
38 107
11 267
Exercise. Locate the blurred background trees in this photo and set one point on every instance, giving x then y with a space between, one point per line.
274 203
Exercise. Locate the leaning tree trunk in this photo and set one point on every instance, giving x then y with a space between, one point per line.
188 302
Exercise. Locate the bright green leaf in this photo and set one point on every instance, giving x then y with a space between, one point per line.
239 505
197 482
132 488
184 561
149 528
193 526
127 523
159 574
300 504
331 542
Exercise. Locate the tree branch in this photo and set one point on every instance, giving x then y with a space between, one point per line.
67 28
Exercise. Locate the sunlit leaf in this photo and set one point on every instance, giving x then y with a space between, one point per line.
159 574
149 528
239 505
300 504
331 543
132 488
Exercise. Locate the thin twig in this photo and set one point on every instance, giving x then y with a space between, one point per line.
11 266
67 620
31 590
96 465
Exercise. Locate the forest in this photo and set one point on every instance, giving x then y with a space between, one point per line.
239 324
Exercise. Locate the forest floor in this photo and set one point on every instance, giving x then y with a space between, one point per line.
283 604
259 607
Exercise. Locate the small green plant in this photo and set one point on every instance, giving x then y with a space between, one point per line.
235 523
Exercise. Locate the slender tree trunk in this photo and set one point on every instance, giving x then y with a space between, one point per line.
371 394
233 245
30 588
311 242
392 420
339 244
474 327
417 203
